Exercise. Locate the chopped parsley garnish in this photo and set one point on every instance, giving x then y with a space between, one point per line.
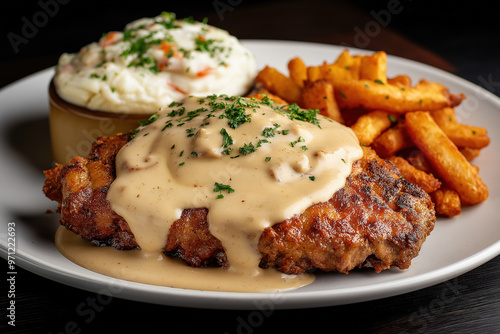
269 132
219 187
236 112
262 141
379 81
295 142
139 41
150 120
247 149
226 141
305 115
132 136
191 132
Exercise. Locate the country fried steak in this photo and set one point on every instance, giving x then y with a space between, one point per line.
378 219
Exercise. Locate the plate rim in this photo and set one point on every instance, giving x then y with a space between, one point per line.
296 300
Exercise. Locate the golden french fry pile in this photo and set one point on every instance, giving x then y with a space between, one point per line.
413 126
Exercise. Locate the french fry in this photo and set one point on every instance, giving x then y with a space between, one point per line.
446 201
460 134
263 93
333 73
355 91
346 60
391 141
298 71
426 181
445 158
401 81
376 95
279 84
370 126
319 95
374 67
469 153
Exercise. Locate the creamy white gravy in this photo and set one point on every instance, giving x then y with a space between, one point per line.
251 163
161 270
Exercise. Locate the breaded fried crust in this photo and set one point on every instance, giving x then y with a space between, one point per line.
377 219
80 188
190 239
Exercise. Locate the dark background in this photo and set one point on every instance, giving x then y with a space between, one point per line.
460 37
464 33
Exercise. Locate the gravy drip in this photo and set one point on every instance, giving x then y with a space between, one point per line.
161 270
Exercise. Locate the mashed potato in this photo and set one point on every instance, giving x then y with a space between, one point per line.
153 62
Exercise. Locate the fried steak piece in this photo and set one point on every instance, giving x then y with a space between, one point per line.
377 219
80 188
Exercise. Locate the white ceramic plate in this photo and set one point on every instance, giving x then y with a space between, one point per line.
455 246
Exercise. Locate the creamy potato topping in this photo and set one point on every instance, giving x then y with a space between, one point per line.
153 62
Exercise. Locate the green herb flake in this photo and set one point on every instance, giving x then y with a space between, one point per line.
226 141
191 132
132 136
247 149
294 112
268 132
150 120
219 187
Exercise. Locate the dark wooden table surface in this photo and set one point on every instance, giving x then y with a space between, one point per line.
460 39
